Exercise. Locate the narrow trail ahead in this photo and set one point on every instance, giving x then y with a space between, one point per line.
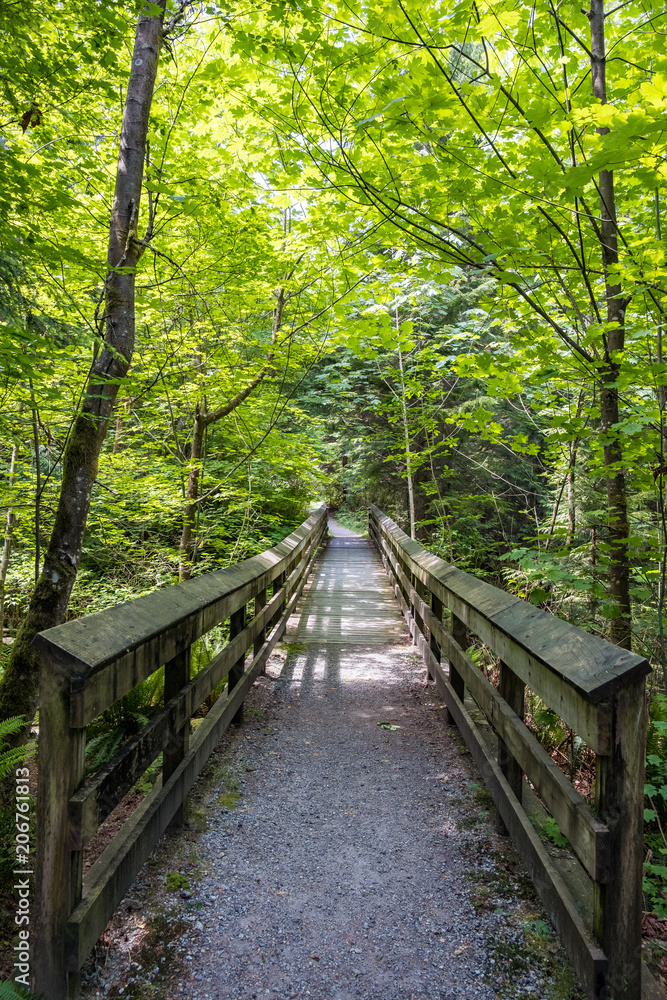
345 874
359 860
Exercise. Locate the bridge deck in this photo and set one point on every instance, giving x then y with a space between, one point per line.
358 864
348 598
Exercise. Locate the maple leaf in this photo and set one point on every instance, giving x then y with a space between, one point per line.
32 117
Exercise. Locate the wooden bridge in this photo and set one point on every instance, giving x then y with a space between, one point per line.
596 688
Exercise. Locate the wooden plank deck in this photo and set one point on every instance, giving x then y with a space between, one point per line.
348 599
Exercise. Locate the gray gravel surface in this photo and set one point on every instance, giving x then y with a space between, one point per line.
343 876
358 861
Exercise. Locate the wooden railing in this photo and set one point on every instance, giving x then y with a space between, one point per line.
597 689
88 665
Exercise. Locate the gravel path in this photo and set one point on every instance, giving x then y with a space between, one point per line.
348 852
344 877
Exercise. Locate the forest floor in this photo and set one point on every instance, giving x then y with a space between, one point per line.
340 846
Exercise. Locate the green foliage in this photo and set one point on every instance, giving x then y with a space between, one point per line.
655 813
654 883
12 991
123 719
551 832
11 757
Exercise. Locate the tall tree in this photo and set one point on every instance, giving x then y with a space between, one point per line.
475 134
19 686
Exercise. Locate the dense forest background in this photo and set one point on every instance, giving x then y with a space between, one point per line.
399 253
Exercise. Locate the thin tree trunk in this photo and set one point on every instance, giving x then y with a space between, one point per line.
19 687
7 543
408 453
38 485
118 432
660 482
204 419
186 548
571 499
620 630
571 511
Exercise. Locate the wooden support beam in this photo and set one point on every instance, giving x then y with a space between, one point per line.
176 677
59 848
436 611
619 787
236 626
460 637
512 690
260 603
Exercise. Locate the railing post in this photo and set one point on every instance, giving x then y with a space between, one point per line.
176 676
512 689
619 798
277 584
460 636
62 752
420 591
260 603
236 625
436 608
406 573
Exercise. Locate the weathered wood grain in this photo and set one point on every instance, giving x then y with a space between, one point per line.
619 786
588 835
512 690
176 677
588 958
93 694
101 793
236 627
59 849
260 603
113 873
591 666
137 637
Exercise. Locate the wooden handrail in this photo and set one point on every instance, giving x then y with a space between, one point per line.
88 665
597 688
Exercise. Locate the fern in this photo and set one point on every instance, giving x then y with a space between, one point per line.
10 757
101 748
10 726
10 991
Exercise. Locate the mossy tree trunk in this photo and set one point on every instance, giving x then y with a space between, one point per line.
19 687
620 629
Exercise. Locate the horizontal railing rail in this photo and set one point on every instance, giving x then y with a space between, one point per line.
597 689
89 664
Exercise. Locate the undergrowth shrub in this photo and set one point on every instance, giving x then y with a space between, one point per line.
655 812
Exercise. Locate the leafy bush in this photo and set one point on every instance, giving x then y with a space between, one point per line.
655 813
124 719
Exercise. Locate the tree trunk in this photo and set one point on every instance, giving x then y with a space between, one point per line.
19 688
408 452
204 419
7 543
620 630
186 548
571 502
